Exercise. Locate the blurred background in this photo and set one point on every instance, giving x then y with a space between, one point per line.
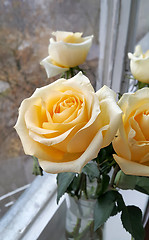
25 29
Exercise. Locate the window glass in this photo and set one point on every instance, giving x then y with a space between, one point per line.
143 21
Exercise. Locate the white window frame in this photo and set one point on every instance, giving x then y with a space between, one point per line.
117 37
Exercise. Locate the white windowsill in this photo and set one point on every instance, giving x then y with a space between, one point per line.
21 221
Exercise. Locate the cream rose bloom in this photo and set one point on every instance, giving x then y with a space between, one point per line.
67 50
139 64
132 141
65 123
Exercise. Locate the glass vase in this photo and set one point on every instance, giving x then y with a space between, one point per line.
79 220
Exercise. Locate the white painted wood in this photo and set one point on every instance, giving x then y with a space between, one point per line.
105 21
32 211
118 20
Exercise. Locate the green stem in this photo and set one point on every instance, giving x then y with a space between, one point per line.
106 167
75 231
85 231
67 74
130 77
105 161
116 169
63 75
77 227
142 85
37 170
80 69
83 186
72 73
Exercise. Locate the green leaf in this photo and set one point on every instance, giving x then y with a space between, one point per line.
63 182
105 182
120 202
142 190
75 185
114 211
101 155
37 170
105 159
125 182
91 170
106 153
103 209
142 184
83 185
142 85
103 185
132 221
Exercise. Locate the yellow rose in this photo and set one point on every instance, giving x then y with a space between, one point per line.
139 64
65 123
67 51
132 142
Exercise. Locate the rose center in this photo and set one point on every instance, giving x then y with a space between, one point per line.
68 107
65 104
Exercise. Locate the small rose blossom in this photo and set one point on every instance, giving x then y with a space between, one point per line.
65 123
139 64
67 50
132 141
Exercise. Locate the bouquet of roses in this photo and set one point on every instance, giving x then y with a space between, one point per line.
87 137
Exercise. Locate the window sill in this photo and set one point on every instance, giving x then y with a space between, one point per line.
28 217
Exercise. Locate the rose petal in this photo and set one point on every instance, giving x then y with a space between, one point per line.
68 37
52 69
138 149
143 120
131 168
139 65
34 122
78 163
61 138
133 101
69 54
30 146
111 114
83 137
120 143
134 126
81 140
79 82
